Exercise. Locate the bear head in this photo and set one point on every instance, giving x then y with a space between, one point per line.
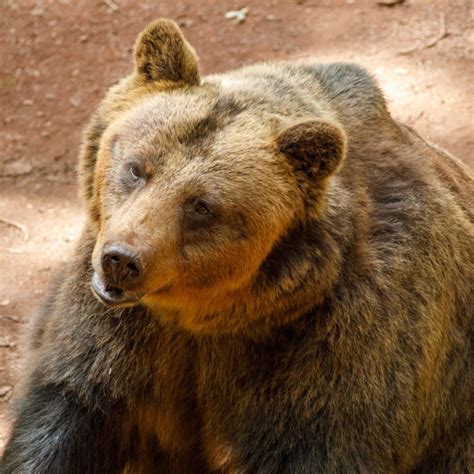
195 188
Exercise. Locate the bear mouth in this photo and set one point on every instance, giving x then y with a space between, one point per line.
112 295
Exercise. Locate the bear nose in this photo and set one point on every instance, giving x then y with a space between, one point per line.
121 265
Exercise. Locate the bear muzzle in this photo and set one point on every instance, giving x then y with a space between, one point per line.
113 296
121 266
122 274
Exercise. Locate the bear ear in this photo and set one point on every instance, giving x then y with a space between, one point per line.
163 54
314 147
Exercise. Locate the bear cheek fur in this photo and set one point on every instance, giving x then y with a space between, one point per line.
216 271
96 203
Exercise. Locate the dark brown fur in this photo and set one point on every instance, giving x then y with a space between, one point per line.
319 320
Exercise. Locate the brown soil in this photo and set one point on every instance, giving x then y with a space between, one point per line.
59 56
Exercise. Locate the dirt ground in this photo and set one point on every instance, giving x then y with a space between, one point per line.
57 57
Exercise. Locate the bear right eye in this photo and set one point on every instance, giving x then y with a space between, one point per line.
135 172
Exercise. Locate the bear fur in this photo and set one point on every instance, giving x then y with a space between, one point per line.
314 315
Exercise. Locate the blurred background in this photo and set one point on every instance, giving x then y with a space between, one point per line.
58 57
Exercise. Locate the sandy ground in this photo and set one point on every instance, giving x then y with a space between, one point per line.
58 57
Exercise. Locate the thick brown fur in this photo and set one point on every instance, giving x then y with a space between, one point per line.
317 318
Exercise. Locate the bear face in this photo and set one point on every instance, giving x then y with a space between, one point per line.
189 208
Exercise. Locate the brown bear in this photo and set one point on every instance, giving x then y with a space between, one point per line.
275 277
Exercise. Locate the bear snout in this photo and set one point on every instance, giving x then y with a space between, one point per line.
111 295
121 266
120 279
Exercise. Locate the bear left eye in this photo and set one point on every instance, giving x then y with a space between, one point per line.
201 208
198 214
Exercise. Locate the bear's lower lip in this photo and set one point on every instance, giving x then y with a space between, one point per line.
112 296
